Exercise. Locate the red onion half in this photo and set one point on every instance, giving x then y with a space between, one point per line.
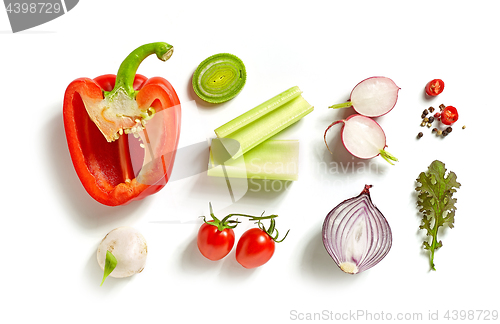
356 234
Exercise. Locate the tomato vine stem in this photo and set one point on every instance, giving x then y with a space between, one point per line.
270 231
226 222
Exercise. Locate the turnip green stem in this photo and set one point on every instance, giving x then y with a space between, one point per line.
388 156
126 73
342 105
109 265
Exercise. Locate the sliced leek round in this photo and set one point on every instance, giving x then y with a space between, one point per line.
219 78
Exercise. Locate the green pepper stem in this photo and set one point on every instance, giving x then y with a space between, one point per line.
342 105
126 73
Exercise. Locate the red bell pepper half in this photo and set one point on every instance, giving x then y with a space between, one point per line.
101 118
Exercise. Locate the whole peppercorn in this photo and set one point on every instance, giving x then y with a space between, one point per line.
425 112
434 130
449 129
441 106
431 119
445 133
431 109
439 132
419 135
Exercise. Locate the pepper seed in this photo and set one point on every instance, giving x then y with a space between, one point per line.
449 129
419 135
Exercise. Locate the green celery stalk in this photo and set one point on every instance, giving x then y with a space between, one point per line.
260 123
272 160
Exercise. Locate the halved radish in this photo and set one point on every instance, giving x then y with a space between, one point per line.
372 97
363 137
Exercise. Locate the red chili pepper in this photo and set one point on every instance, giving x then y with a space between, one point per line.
100 113
449 115
434 87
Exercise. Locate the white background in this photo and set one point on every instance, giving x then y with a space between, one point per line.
51 227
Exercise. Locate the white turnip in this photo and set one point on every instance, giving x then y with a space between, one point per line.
122 253
363 137
372 97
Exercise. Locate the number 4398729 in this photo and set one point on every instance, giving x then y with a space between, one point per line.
478 315
32 7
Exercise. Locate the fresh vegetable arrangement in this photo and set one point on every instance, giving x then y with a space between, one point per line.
255 247
219 78
101 115
98 115
356 234
362 136
435 198
122 253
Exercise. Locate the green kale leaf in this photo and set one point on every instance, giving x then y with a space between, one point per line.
435 198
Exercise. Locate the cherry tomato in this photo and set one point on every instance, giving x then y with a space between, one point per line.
213 243
449 115
255 247
434 87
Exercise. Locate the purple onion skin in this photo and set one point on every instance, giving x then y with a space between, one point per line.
356 234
